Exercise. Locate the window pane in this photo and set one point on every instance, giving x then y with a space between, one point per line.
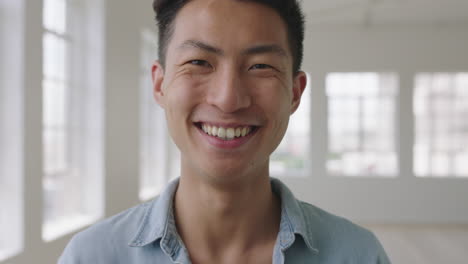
174 160
441 124
361 124
55 151
11 132
421 159
461 164
55 56
72 120
55 15
291 155
55 102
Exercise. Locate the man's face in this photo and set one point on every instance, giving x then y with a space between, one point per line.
227 87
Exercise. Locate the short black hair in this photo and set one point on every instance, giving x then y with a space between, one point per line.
289 10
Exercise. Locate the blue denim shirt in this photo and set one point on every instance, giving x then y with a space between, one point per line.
147 234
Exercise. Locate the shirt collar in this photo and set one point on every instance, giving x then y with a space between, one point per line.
293 221
158 221
158 224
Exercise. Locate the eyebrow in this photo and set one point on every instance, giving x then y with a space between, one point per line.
258 49
268 48
200 45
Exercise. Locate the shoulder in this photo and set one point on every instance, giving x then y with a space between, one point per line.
101 241
125 222
339 237
325 224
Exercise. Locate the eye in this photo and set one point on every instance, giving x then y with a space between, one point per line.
202 63
260 66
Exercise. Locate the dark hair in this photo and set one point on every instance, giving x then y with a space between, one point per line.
289 10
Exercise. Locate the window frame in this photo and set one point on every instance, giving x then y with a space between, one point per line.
154 168
432 115
84 142
360 130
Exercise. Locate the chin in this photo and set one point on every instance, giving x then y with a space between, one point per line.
233 174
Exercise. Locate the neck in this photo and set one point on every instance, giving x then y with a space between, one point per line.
233 217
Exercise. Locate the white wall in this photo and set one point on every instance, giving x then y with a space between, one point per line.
399 48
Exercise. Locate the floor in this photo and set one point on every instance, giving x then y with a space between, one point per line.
424 244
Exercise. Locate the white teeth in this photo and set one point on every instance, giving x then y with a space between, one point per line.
238 132
221 132
230 133
226 133
244 131
206 129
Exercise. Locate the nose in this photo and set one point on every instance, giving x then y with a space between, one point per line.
228 93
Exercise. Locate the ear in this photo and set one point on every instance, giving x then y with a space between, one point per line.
299 84
157 74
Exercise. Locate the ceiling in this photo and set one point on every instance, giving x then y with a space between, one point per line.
386 12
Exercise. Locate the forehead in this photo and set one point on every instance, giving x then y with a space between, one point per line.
229 24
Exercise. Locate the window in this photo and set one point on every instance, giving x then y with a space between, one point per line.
153 139
174 169
72 117
11 119
291 156
361 124
441 125
159 157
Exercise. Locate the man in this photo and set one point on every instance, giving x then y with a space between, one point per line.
228 80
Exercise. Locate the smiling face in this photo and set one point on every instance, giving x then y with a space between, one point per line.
227 87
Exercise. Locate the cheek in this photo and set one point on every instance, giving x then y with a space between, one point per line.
274 98
183 95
